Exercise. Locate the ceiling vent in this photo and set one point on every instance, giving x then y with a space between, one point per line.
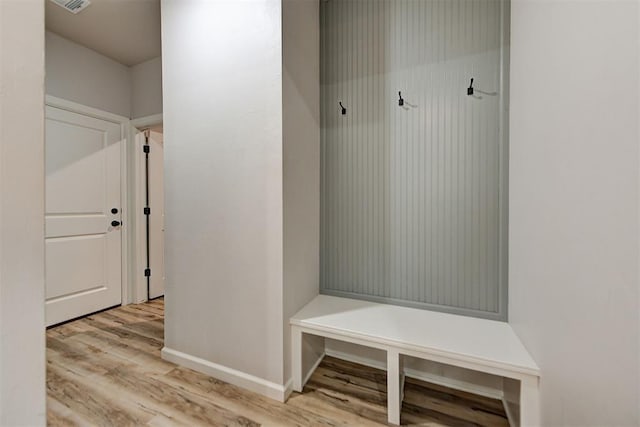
73 6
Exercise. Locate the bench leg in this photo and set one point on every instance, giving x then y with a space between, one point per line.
296 358
394 382
530 402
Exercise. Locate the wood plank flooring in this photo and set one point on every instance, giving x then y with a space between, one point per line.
106 370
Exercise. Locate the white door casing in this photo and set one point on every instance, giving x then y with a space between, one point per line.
83 184
156 219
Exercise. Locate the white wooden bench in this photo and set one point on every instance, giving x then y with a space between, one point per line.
477 344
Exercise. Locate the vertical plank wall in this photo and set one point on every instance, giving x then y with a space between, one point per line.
411 197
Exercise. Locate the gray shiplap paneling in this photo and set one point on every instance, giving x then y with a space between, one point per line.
410 197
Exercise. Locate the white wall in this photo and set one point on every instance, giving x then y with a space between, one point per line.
301 144
222 84
146 88
82 75
22 342
573 282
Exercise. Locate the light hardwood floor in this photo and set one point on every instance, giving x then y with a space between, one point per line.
106 370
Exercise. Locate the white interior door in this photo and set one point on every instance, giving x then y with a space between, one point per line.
156 219
83 197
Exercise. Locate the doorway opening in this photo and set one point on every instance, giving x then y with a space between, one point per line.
103 87
149 175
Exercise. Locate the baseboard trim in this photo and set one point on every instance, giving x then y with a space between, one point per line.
288 389
232 376
419 375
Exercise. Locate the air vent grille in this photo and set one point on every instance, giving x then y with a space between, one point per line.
73 6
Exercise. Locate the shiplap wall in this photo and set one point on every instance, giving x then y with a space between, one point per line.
412 210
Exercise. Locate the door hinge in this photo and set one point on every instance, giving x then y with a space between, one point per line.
147 272
147 211
145 148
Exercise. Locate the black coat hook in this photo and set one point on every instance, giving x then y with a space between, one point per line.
400 101
470 88
344 110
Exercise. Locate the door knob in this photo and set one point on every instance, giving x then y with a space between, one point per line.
115 223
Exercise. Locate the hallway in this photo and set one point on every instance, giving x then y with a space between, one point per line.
106 369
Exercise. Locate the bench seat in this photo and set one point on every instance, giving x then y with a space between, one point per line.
478 344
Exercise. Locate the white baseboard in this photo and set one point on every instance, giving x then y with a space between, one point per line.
241 379
288 389
420 375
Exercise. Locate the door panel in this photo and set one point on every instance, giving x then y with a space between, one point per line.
73 263
75 152
83 249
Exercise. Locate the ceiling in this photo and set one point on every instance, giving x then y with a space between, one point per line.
127 31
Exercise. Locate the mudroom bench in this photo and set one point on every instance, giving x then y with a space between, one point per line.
478 344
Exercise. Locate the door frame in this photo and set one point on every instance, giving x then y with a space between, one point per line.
74 107
138 238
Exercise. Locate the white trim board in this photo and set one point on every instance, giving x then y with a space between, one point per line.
54 101
232 376
146 121
288 389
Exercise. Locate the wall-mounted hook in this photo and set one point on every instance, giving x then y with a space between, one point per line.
470 88
400 100
344 110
